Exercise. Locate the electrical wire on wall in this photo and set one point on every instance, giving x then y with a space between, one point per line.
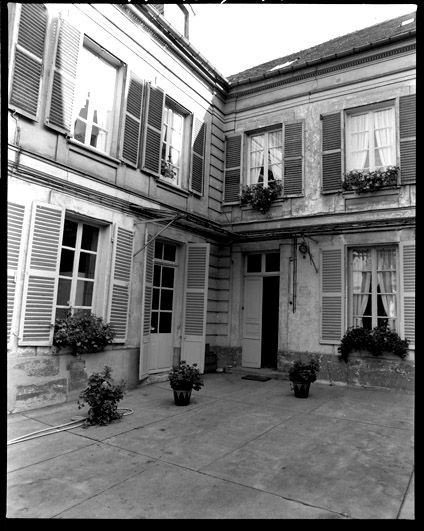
294 276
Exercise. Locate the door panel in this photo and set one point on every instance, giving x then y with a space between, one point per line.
252 322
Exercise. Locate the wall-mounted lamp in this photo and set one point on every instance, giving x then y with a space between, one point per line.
303 249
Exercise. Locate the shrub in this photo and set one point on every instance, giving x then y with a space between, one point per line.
83 333
380 339
185 376
304 372
259 196
102 395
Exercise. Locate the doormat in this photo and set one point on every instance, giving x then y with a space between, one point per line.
256 377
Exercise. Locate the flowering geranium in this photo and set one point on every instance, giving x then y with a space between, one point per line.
259 196
371 180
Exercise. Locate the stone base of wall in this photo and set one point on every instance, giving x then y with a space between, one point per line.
361 370
226 356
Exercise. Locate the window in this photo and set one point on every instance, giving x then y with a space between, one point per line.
373 287
163 287
263 263
77 270
173 164
265 157
95 100
370 139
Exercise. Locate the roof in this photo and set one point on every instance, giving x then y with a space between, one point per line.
389 29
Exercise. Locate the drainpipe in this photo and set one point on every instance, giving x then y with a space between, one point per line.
294 259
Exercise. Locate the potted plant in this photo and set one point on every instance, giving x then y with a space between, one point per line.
302 374
183 379
260 197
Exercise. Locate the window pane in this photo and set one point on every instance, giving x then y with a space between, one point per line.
166 299
64 292
257 142
156 276
275 139
69 233
158 249
90 236
154 323
87 265
66 263
84 294
169 251
61 313
254 263
168 277
79 131
155 301
275 172
272 262
165 323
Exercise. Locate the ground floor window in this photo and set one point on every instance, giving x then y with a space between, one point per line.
373 286
163 287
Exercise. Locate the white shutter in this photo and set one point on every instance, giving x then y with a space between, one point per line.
198 156
408 290
15 220
152 144
41 275
195 304
121 278
331 291
132 128
147 303
232 172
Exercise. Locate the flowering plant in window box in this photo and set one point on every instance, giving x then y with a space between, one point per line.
167 170
259 196
362 181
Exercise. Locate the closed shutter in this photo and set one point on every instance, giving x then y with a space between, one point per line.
40 284
64 73
232 169
29 60
152 145
293 158
408 291
198 156
331 152
195 304
15 220
407 134
133 117
331 310
121 278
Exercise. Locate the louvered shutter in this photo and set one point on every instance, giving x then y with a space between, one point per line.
15 220
198 156
121 278
293 158
331 308
147 304
407 134
152 145
232 169
41 274
64 73
133 116
331 152
195 304
28 60
408 291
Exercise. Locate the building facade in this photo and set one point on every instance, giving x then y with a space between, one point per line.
127 155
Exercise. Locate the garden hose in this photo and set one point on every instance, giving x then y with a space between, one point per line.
76 422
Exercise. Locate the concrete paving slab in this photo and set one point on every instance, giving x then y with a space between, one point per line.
165 491
357 469
407 511
46 489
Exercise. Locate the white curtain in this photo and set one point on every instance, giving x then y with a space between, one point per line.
384 141
359 141
361 282
257 159
386 278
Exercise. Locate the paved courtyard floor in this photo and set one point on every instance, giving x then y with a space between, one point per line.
242 449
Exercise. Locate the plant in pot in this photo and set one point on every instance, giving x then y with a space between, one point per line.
302 374
183 379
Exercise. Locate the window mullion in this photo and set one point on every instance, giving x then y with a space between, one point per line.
75 265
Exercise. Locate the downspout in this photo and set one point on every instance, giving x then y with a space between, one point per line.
294 288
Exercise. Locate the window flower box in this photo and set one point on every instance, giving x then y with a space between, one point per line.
260 197
364 181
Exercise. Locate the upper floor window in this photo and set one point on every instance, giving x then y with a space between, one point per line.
95 100
265 157
370 139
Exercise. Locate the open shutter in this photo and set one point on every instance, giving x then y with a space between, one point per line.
121 278
41 274
198 156
331 152
232 169
28 60
407 134
332 309
293 158
133 115
15 220
408 290
147 303
64 73
152 145
195 304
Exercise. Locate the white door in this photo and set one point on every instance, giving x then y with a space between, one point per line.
252 322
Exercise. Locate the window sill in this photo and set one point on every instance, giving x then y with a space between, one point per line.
93 153
388 190
161 183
